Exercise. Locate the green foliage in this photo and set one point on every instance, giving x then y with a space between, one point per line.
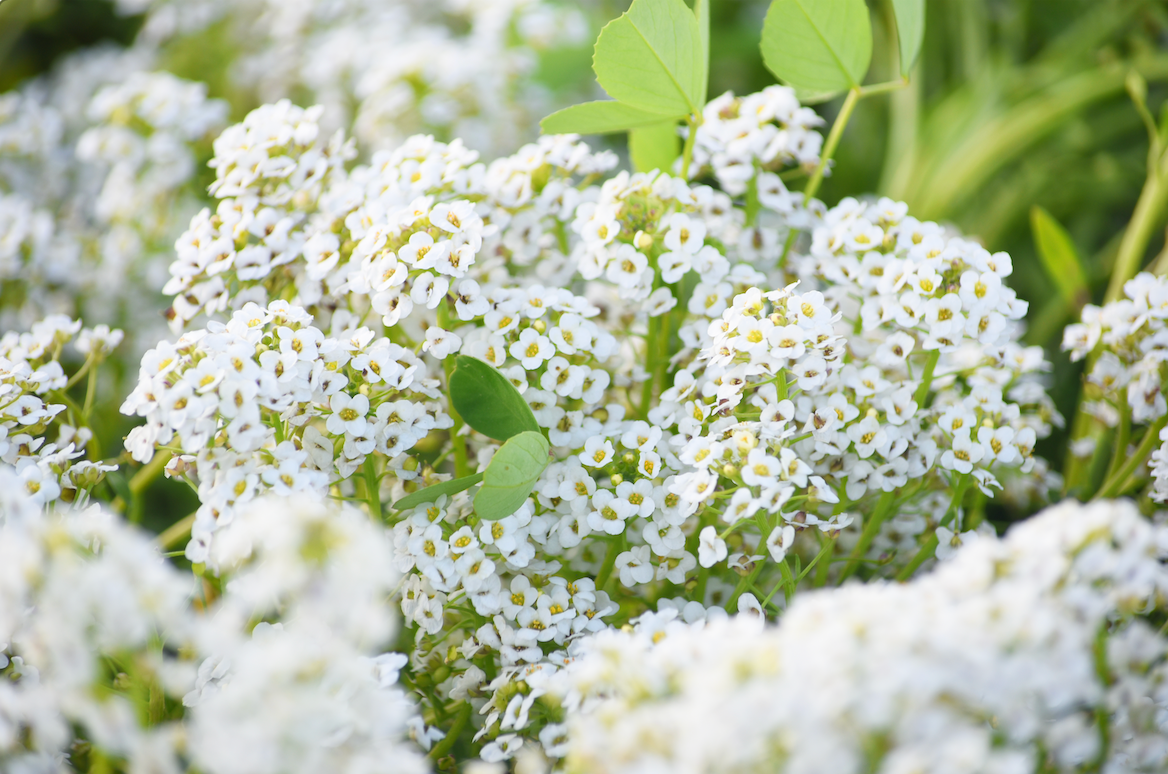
654 62
600 117
434 491
487 401
654 146
1057 252
910 30
511 475
819 47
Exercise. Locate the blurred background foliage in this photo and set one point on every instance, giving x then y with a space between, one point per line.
1014 103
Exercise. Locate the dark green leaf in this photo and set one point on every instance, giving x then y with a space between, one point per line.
649 58
820 47
487 401
511 475
600 117
434 491
655 146
910 30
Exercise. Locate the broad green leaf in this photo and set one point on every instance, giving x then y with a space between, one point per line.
1058 255
820 47
655 146
487 401
910 30
600 117
434 491
649 57
511 475
702 13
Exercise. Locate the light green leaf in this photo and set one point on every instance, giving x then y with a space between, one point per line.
487 401
1059 257
600 117
910 30
434 491
511 475
649 58
655 146
702 13
820 47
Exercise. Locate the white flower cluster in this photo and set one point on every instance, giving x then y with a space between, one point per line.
456 68
383 238
1128 339
267 402
1029 652
97 162
105 658
746 141
33 402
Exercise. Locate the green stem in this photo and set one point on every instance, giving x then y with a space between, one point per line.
833 138
743 585
460 720
871 529
883 88
614 548
461 466
1117 483
1145 220
372 487
170 537
694 120
143 478
922 393
929 549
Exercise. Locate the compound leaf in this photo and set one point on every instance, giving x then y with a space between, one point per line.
655 146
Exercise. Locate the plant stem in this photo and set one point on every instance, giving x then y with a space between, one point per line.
372 487
871 528
930 546
175 532
694 120
922 393
614 547
1117 483
1145 220
143 478
833 138
443 747
461 467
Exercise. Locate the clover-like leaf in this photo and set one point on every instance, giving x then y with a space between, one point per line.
655 146
434 491
511 475
820 47
910 30
487 401
599 117
650 58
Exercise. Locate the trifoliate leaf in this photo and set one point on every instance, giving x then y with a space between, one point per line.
650 58
511 475
487 401
820 47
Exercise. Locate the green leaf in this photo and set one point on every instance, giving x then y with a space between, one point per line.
648 58
1058 255
910 30
702 13
487 401
600 117
655 146
820 47
434 491
511 475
